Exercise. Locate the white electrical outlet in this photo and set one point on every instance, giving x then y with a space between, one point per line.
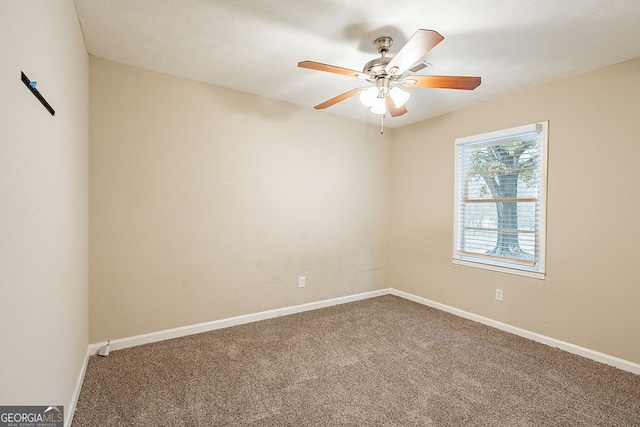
301 282
499 294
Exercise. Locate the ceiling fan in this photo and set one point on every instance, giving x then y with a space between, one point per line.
386 74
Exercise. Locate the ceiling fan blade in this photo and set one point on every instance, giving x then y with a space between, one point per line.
442 82
332 69
338 98
417 47
393 110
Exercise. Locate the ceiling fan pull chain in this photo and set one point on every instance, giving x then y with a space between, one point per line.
382 123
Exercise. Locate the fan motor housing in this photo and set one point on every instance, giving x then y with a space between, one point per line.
376 67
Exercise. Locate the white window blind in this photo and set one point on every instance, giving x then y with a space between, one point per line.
500 204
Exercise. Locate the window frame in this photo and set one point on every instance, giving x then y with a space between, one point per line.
537 271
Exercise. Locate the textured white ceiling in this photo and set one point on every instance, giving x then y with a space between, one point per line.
254 46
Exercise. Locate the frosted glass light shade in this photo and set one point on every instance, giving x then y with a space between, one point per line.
399 96
368 96
379 106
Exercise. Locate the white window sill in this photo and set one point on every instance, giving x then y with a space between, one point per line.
485 266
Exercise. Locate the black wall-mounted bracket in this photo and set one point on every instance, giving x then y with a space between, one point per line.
32 88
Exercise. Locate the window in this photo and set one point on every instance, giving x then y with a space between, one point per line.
500 206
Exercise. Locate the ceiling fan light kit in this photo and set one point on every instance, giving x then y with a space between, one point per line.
399 96
368 96
379 106
386 74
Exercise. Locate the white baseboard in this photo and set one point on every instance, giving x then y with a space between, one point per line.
118 344
121 343
571 348
76 392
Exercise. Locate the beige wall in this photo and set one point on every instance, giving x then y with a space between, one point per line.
207 203
592 291
44 204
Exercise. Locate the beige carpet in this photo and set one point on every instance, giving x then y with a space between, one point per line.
379 362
